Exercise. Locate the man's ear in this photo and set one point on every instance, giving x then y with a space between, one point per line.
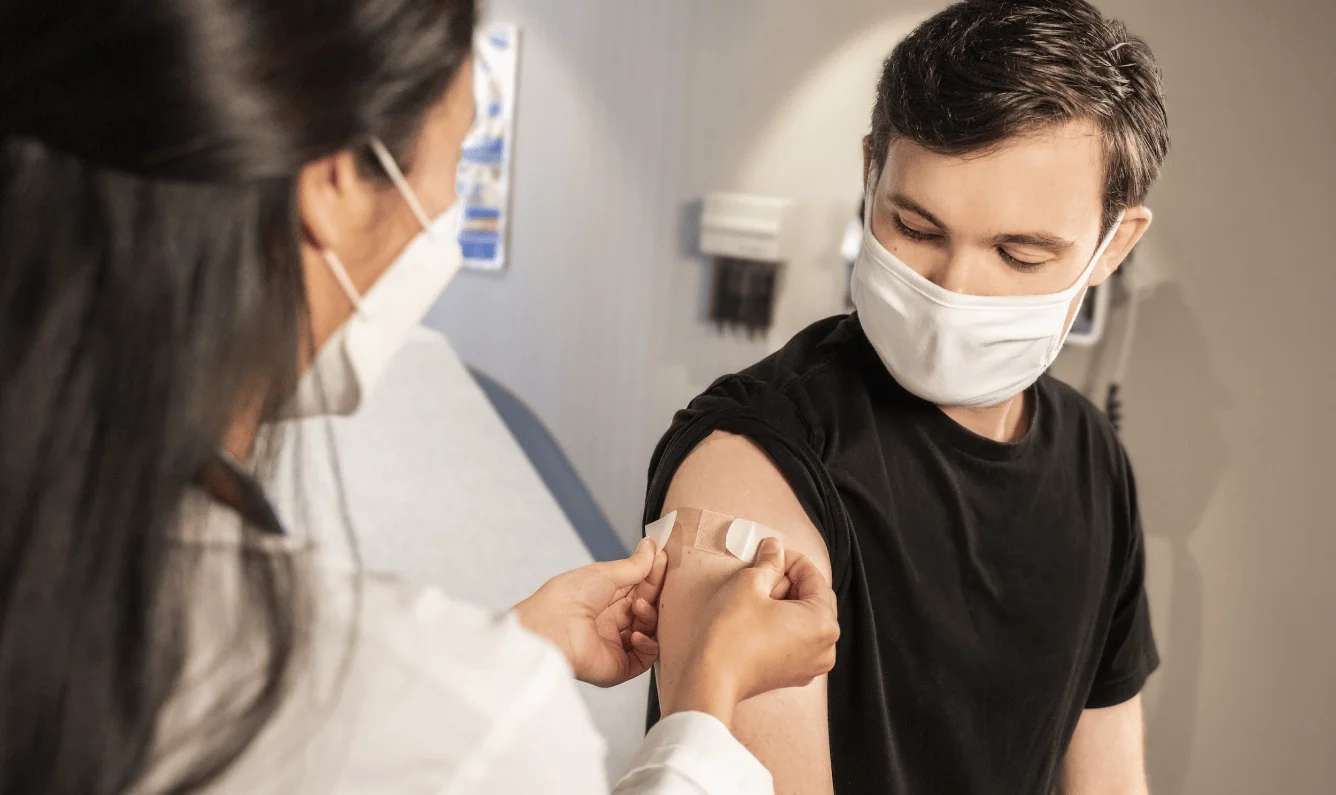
334 200
1136 220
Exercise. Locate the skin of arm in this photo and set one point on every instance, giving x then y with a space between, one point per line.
786 729
1107 753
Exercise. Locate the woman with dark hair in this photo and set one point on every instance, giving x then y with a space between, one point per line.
212 214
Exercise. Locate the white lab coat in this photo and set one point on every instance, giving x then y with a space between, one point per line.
404 691
435 489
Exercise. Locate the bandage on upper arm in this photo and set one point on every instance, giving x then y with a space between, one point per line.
713 532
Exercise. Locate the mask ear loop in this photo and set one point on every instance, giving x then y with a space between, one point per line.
341 276
400 181
869 196
1084 279
396 176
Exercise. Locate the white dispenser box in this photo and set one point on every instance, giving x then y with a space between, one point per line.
745 226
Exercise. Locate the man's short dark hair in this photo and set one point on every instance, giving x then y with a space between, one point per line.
985 71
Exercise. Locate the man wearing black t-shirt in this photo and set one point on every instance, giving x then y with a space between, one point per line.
977 518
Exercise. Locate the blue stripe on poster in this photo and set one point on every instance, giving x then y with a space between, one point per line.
479 236
472 213
490 151
481 251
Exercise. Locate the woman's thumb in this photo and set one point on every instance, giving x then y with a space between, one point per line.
770 562
630 571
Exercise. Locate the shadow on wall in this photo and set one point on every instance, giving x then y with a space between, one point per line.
688 233
1180 455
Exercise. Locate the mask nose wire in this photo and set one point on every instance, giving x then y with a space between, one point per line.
397 177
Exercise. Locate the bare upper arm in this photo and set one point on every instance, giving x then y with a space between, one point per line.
787 729
1107 753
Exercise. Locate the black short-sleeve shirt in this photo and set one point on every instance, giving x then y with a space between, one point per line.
988 592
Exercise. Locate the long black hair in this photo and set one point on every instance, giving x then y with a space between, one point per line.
150 290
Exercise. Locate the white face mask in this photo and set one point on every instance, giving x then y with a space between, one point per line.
952 349
351 361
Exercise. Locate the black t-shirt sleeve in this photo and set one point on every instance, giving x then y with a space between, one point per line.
1129 656
775 418
771 418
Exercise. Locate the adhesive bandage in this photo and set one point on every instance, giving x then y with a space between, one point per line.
660 529
712 532
745 536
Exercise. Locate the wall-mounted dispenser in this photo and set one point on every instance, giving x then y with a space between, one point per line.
749 237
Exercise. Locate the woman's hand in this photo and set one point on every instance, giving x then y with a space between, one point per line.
770 626
602 616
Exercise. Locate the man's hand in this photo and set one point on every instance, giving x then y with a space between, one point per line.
603 616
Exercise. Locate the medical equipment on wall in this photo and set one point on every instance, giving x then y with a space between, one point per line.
749 238
1123 293
1088 325
1141 273
1113 404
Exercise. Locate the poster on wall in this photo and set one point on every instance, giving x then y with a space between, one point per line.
485 163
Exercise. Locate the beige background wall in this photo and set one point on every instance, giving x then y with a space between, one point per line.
1231 417
631 111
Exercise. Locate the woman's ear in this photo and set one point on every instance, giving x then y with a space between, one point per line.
337 206
334 200
1136 220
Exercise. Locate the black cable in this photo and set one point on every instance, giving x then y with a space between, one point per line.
1113 407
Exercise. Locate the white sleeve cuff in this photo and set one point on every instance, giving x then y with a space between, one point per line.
700 749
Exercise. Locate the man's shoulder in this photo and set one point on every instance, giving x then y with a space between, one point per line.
822 356
1079 424
788 400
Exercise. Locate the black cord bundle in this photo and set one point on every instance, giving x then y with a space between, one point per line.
1113 407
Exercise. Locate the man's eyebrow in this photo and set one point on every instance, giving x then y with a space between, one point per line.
905 203
1051 243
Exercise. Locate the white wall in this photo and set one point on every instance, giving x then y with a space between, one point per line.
631 111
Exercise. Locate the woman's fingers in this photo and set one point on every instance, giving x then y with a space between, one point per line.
775 623
633 570
821 620
651 586
769 566
645 644
642 652
644 595
622 614
646 619
809 584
